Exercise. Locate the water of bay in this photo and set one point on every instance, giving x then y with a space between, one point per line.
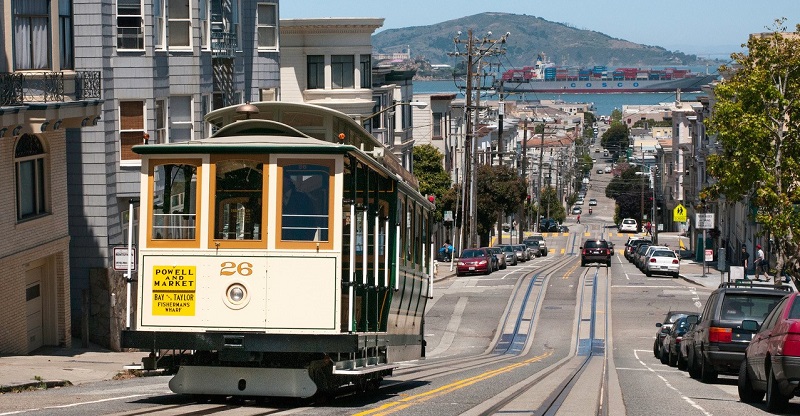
603 103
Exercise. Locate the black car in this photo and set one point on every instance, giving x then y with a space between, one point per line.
596 251
664 327
719 341
671 346
632 244
548 225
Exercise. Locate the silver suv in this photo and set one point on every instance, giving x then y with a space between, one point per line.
542 243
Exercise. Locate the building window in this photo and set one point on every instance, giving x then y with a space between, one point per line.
180 117
179 23
366 71
158 24
31 34
205 23
66 53
161 122
130 28
267 25
239 200
316 71
342 71
437 125
174 202
131 128
305 194
30 174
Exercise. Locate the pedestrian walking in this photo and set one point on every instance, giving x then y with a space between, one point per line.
760 264
579 218
647 227
745 256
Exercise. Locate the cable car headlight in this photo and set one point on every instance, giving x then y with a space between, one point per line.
236 296
236 293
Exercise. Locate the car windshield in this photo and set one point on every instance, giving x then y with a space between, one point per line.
508 248
472 253
795 312
532 243
738 307
674 316
663 253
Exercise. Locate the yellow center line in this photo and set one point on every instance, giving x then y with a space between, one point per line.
569 272
416 399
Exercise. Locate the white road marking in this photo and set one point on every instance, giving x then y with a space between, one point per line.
683 396
73 404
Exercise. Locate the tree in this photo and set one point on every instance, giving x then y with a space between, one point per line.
629 190
551 206
433 180
756 119
616 137
500 191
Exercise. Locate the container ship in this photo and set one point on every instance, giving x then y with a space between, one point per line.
546 77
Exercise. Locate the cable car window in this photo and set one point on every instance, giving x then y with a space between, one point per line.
174 202
239 200
305 199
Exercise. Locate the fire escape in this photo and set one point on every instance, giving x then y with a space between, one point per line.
224 43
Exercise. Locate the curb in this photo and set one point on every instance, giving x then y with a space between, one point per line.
35 385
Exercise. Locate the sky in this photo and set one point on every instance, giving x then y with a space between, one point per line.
708 28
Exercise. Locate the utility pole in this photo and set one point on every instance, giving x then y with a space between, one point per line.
476 48
539 181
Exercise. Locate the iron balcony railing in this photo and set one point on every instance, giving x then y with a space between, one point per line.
223 44
18 88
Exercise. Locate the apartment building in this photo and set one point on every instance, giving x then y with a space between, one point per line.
165 64
47 97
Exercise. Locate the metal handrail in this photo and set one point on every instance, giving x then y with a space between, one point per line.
18 88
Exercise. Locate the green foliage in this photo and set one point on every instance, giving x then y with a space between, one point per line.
757 121
500 191
433 180
630 190
616 115
551 206
652 123
538 129
616 137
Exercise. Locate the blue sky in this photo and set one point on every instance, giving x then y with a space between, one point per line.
711 28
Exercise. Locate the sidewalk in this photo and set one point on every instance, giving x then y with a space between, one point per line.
56 367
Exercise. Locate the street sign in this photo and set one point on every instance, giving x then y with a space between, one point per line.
448 216
704 221
679 214
121 259
709 255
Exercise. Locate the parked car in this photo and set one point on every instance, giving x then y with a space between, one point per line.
540 239
596 251
642 260
533 248
632 244
501 257
664 327
719 341
579 201
561 229
772 360
639 253
628 225
510 252
522 252
592 202
495 263
576 210
663 262
474 260
671 345
548 225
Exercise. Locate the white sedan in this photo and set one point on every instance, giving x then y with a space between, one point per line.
662 262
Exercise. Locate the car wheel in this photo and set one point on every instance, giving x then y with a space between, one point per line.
648 274
672 359
583 263
458 274
608 263
681 362
655 348
775 399
488 270
746 392
675 275
707 373
691 365
545 253
664 356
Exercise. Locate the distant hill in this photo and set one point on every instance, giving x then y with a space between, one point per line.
530 35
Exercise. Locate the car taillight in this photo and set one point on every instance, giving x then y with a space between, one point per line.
791 344
652 260
678 340
675 261
720 334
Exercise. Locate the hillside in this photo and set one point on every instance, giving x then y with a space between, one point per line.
530 35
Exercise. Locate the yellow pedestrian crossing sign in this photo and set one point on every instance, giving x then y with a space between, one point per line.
679 214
